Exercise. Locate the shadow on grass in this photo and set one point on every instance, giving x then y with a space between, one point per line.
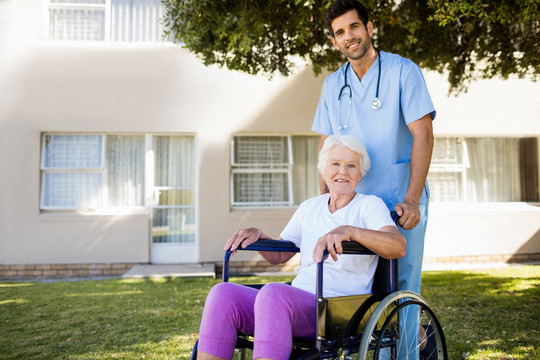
486 316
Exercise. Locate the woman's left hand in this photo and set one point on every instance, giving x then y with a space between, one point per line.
331 242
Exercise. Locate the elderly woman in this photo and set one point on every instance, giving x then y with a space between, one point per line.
278 311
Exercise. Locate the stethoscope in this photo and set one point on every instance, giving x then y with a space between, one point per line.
375 104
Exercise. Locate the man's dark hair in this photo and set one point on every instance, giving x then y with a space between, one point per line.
340 7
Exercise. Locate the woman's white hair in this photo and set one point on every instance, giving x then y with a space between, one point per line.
348 141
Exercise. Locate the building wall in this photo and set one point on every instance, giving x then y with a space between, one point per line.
482 229
132 89
159 88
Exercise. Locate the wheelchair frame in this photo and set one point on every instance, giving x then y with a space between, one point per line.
378 316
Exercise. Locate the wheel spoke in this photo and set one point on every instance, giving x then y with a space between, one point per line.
410 330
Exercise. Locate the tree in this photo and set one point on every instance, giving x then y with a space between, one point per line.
467 39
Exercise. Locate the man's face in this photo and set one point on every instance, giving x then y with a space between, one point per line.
351 37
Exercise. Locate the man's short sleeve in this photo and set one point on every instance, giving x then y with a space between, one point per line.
415 99
321 122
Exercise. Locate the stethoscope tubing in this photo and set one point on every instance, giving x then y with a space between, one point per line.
375 104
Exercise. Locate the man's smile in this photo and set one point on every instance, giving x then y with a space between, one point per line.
353 46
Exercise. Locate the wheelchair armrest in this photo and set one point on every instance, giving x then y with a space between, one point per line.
354 248
349 247
272 245
260 245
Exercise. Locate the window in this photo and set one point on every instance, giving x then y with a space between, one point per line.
73 171
273 170
484 169
89 171
93 171
447 175
105 20
173 216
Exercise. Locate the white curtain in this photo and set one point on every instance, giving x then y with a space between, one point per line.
136 20
494 170
125 170
305 173
174 161
174 177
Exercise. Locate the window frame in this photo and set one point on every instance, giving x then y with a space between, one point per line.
67 170
480 177
289 168
458 168
149 198
258 168
124 32
106 7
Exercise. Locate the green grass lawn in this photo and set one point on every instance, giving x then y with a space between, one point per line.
486 314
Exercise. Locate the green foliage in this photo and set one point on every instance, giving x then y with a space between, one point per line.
488 39
251 36
466 38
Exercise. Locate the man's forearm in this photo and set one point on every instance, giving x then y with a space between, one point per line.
422 149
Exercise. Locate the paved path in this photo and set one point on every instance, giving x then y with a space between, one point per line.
198 270
185 270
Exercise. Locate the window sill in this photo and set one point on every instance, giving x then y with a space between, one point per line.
106 44
484 207
262 213
110 211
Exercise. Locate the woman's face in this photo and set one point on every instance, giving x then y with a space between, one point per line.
342 171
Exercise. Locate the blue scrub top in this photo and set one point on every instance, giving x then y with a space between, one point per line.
404 97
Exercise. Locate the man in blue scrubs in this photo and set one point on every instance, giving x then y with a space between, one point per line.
388 107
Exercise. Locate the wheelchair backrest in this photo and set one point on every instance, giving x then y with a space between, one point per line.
385 279
386 275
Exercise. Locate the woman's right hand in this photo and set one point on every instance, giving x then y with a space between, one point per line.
243 238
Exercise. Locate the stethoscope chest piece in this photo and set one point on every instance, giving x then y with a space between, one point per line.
376 104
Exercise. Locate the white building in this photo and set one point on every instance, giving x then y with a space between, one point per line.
119 149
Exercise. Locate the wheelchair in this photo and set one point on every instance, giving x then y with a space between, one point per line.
362 327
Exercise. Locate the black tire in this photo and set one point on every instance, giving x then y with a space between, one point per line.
384 338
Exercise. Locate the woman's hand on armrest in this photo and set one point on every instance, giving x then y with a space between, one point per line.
243 238
331 242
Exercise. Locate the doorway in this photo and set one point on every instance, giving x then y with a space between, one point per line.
171 188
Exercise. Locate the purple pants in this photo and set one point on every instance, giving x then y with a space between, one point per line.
273 314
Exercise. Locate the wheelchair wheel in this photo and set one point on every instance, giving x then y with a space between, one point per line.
386 337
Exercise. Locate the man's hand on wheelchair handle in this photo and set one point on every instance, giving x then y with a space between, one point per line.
332 243
409 214
243 238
